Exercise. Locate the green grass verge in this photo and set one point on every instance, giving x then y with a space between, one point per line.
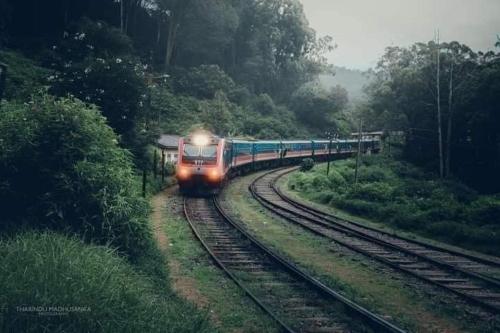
52 283
195 276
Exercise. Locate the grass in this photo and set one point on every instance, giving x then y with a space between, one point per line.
360 279
396 194
52 283
195 277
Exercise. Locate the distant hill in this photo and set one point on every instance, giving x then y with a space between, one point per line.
351 79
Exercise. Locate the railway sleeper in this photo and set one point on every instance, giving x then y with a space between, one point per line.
448 280
463 286
325 329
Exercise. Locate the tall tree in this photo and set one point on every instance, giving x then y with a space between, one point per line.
438 103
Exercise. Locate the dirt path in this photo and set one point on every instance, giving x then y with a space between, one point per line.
182 285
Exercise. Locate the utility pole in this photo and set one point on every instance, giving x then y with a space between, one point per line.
438 88
162 166
155 163
450 119
360 129
329 152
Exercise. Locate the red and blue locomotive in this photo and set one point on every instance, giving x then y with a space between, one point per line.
206 161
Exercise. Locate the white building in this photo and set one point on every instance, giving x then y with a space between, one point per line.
169 145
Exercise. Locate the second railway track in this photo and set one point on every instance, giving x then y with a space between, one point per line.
297 301
461 274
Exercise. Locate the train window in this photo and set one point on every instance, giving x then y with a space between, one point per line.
191 150
209 151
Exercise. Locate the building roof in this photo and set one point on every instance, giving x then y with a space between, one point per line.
168 141
368 133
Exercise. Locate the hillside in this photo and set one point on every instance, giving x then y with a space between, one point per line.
351 79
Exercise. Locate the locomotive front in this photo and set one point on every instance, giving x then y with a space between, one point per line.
199 166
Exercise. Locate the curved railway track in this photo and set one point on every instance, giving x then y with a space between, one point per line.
297 301
465 275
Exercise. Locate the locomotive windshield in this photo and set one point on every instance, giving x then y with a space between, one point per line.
204 154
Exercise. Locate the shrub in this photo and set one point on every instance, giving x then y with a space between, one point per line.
357 206
23 76
374 173
48 270
62 168
336 179
485 210
456 232
378 191
307 164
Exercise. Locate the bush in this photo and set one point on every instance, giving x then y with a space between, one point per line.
307 164
62 168
47 270
380 192
336 179
374 173
23 76
484 211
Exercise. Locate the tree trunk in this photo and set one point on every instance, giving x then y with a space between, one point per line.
450 120
66 13
172 33
158 34
438 88
122 14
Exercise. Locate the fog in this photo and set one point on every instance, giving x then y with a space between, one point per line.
363 28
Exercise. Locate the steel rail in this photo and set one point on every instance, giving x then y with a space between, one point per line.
371 319
495 262
282 212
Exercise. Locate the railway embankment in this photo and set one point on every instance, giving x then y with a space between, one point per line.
402 197
403 299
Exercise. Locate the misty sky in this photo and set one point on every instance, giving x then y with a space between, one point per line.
363 28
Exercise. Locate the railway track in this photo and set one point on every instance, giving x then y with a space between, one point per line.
465 275
297 301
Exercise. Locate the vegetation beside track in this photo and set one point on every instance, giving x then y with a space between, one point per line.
195 277
64 172
409 304
402 196
52 283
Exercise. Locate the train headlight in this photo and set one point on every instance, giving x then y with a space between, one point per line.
214 175
183 173
201 140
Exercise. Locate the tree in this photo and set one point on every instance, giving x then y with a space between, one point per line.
403 96
317 107
174 11
216 114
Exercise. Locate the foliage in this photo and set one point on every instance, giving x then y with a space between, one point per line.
231 111
317 107
61 168
94 64
105 293
398 193
307 164
24 76
402 97
203 82
266 46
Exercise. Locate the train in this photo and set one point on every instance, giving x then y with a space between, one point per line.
206 161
